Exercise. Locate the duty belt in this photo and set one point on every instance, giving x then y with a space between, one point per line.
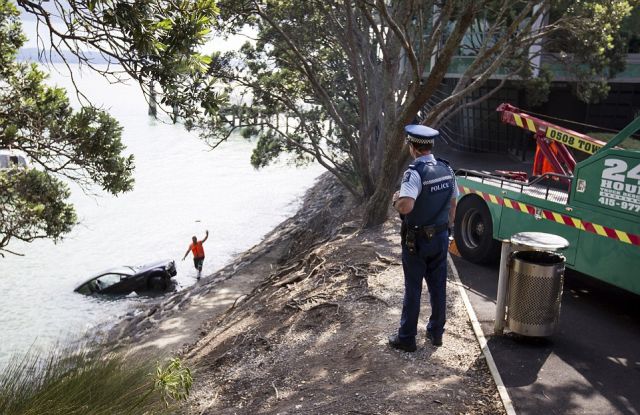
410 233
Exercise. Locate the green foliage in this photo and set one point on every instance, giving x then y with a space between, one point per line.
350 74
173 381
156 42
631 30
267 149
592 44
11 37
144 34
537 88
33 206
79 381
336 81
83 146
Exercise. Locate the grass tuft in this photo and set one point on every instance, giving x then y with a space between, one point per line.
80 381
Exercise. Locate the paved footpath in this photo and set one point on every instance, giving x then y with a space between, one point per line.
591 365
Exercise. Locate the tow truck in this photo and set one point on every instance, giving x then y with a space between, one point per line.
594 203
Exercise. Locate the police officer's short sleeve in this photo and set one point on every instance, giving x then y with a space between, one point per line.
411 184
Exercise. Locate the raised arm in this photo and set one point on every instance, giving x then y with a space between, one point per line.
206 236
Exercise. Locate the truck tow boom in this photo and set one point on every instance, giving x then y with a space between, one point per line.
552 141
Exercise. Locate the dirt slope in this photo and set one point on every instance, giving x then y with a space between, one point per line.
300 325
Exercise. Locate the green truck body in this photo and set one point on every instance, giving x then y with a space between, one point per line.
599 214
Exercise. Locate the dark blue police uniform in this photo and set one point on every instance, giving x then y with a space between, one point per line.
431 183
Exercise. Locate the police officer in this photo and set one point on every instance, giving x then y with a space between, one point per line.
426 203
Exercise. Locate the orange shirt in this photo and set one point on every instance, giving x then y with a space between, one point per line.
197 249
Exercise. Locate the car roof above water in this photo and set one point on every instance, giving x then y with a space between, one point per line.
127 270
133 269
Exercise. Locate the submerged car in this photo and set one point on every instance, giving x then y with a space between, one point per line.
153 277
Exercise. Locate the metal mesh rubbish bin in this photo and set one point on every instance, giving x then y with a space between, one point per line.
534 293
537 288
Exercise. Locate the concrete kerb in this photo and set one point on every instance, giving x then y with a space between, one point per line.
477 329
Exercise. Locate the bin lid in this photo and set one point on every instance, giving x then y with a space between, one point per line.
540 240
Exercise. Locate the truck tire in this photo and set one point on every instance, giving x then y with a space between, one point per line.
473 231
157 283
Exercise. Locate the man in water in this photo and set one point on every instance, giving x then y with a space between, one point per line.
198 252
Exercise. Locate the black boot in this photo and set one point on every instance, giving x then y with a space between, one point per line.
435 340
396 343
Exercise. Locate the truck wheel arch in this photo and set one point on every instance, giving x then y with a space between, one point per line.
474 231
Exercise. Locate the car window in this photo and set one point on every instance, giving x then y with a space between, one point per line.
107 280
87 288
4 161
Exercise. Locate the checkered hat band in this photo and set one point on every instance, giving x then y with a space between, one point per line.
420 140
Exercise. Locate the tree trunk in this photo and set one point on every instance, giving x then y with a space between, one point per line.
153 111
378 204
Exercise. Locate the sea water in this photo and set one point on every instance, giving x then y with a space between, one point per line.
182 188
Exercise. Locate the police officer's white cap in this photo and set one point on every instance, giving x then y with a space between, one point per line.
421 134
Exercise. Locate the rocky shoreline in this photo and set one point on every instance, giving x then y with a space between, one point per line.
284 241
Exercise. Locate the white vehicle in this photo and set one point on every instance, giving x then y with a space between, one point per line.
12 158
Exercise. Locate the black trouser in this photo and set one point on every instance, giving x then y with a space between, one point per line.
197 262
428 263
